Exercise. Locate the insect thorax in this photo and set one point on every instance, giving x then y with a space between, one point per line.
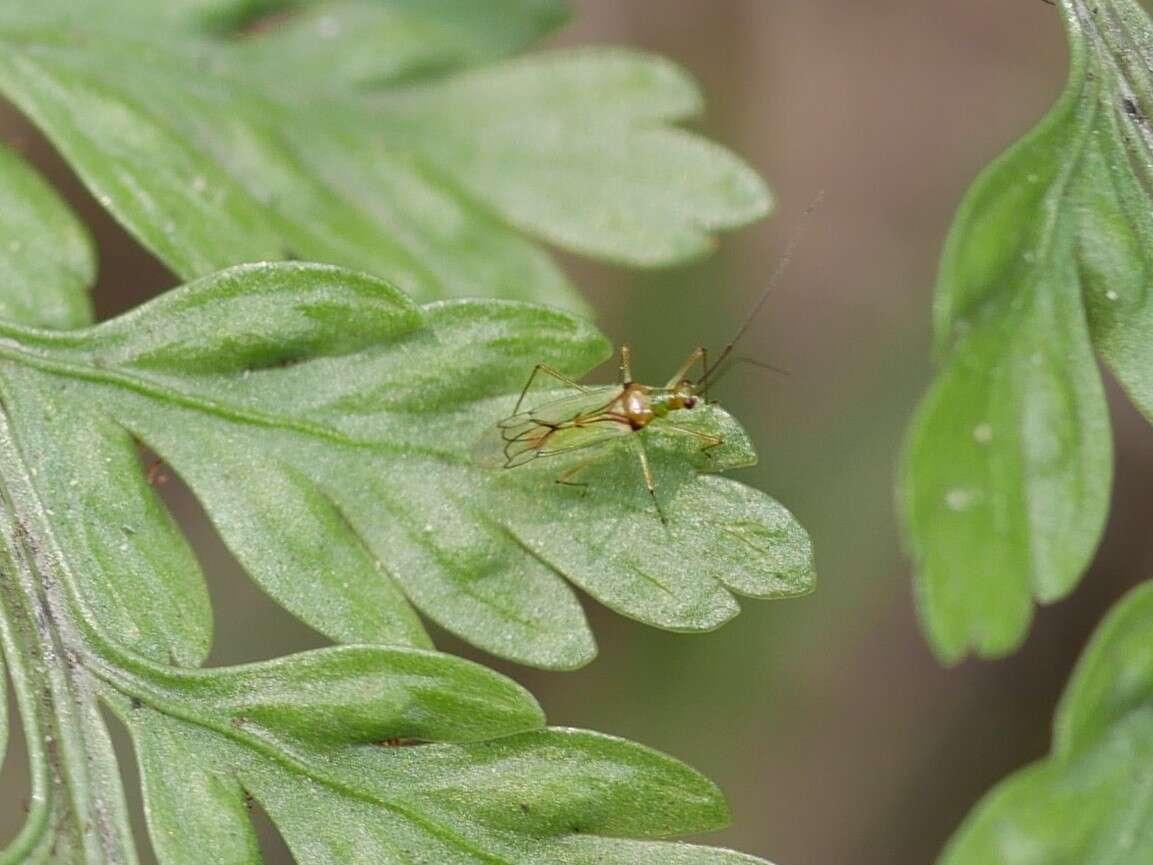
636 406
642 405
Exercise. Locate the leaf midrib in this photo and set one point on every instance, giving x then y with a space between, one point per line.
156 391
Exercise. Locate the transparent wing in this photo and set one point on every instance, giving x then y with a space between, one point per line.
559 410
512 445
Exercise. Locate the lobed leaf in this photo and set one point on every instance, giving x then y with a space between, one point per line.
132 562
1088 802
326 424
656 193
326 421
368 43
1008 466
46 258
377 789
218 140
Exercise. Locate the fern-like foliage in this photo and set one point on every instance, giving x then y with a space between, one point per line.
1009 463
1087 802
326 420
363 133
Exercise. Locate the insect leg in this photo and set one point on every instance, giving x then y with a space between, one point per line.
565 477
626 364
547 370
705 372
679 376
649 484
708 441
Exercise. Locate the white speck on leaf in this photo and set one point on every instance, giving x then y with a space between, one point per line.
982 433
960 499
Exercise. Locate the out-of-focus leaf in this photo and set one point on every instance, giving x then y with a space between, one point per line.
46 258
313 134
368 43
1089 801
326 423
574 149
1009 462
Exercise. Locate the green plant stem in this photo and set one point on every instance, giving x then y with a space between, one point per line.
76 808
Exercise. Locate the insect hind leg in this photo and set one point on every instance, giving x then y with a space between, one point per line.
650 485
565 478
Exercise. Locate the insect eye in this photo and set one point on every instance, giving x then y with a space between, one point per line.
690 402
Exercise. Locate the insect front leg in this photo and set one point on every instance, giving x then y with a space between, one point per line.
700 353
547 370
626 364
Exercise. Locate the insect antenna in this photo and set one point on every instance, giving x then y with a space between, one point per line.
751 361
774 280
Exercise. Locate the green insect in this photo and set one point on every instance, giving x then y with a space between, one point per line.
596 416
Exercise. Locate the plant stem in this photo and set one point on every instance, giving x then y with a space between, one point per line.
76 808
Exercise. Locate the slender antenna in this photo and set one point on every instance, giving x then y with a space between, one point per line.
774 280
751 361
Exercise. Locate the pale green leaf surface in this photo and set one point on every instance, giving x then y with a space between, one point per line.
46 259
1090 802
365 43
1114 678
655 193
346 750
131 560
308 138
1008 468
196 813
327 425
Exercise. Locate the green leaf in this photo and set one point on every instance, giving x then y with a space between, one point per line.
1008 469
326 423
307 137
358 754
572 150
536 797
357 43
132 562
46 257
1089 801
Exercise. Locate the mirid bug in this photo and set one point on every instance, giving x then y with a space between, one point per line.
596 416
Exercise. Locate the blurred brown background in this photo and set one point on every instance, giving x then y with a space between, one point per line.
838 738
